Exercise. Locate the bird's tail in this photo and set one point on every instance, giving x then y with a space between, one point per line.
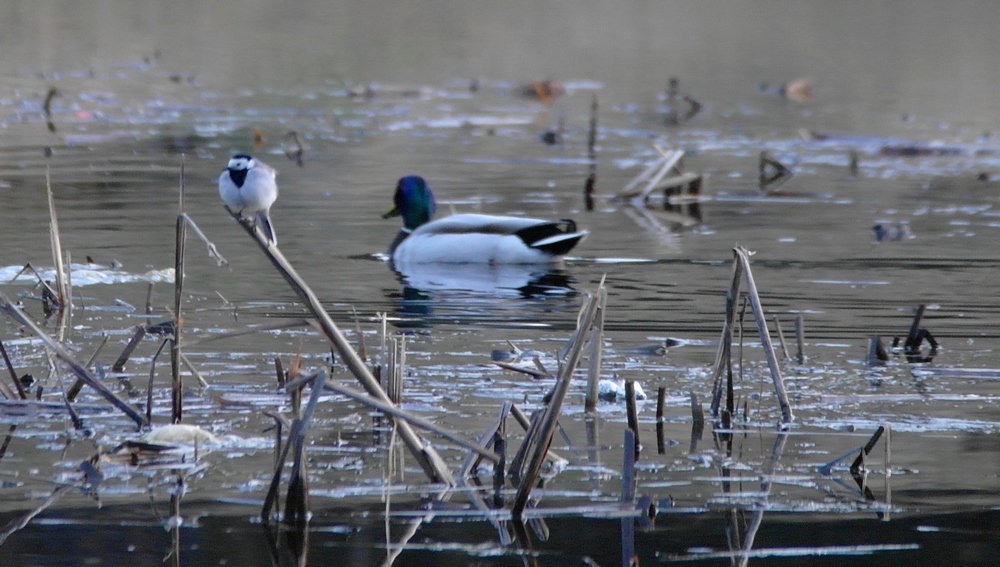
264 221
554 238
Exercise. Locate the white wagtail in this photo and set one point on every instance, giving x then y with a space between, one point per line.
247 186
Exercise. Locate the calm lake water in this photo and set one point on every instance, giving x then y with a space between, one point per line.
911 89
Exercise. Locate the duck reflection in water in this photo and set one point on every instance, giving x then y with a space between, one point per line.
475 288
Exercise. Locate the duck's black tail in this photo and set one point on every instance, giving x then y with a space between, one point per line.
555 238
264 222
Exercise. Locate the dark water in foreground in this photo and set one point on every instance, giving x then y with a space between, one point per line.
909 89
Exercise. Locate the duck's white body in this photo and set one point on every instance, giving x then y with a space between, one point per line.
477 239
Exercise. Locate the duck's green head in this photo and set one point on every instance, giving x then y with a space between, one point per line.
413 201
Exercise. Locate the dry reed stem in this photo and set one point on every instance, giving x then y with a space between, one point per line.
137 336
54 240
800 339
296 431
13 377
781 337
888 471
177 382
297 498
67 358
525 424
723 360
723 357
423 452
213 252
483 441
533 373
23 521
596 350
765 337
149 303
550 416
396 412
194 371
631 415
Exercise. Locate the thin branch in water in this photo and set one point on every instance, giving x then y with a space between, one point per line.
57 258
137 336
212 250
64 355
13 377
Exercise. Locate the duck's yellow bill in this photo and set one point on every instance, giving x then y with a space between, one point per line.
393 212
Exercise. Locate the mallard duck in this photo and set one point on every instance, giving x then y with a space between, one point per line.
472 238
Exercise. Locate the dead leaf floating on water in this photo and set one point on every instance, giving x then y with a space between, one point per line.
798 90
545 91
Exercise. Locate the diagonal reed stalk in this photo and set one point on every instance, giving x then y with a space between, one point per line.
57 258
550 417
64 355
425 454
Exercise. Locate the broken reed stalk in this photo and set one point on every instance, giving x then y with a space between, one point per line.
743 256
67 313
425 454
66 357
21 394
296 432
297 498
596 351
800 339
177 383
74 390
550 416
395 388
723 357
194 371
661 395
631 415
888 471
54 240
859 461
781 337
212 251
23 521
590 186
137 335
484 441
149 303
525 424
